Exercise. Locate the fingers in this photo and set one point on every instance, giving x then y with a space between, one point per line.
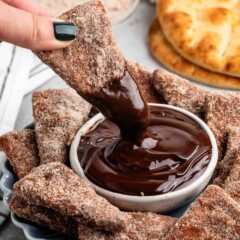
34 32
28 6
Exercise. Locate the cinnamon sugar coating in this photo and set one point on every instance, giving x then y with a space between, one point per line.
222 110
58 115
21 150
144 81
57 187
232 184
92 234
43 216
142 226
214 215
232 188
179 92
233 147
152 226
93 59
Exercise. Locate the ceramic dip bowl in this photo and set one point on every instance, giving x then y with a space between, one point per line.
158 203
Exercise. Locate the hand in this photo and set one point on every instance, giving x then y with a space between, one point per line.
26 25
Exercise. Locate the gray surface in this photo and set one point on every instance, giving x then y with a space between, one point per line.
9 232
132 39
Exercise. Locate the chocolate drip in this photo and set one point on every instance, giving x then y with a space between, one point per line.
122 103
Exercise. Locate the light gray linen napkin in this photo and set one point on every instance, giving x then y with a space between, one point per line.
20 73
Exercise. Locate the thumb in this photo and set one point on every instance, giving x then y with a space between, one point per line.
34 32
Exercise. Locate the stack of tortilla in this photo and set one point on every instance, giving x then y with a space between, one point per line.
199 40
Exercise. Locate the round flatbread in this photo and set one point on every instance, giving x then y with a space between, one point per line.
163 51
206 32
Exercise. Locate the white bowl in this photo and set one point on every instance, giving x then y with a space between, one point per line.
128 13
159 203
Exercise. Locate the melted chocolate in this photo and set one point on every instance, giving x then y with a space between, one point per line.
122 103
171 153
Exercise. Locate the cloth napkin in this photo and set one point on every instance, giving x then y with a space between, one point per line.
20 73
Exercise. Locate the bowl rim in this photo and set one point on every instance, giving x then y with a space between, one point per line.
75 165
128 14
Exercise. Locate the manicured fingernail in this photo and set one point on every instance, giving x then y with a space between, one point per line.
65 31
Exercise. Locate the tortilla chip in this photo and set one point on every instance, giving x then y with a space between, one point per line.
179 92
21 150
43 216
232 184
224 167
57 187
214 215
58 115
142 226
222 111
93 59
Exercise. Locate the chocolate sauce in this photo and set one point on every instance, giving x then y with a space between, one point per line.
136 151
172 152
122 103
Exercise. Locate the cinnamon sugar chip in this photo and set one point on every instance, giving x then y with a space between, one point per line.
225 166
57 187
144 81
142 226
45 217
93 59
214 215
93 234
21 150
58 114
151 225
232 188
179 92
232 184
222 110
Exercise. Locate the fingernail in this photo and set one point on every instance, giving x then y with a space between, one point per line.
65 31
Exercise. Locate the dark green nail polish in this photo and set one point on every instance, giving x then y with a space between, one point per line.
65 31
